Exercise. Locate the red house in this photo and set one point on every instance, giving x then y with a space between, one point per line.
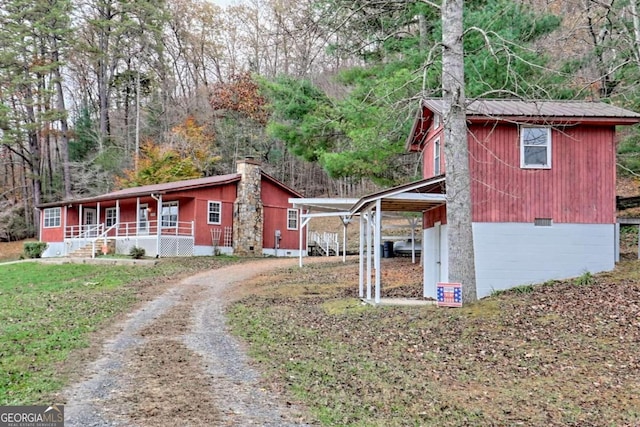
246 213
543 189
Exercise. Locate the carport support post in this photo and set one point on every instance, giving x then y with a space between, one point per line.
361 259
305 222
413 222
376 248
345 224
369 254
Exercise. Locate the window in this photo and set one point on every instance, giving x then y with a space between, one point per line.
436 157
52 217
436 121
110 217
215 213
535 147
292 219
170 214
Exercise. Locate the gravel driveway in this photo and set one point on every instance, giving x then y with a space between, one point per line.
174 363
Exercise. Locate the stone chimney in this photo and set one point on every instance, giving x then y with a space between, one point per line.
248 219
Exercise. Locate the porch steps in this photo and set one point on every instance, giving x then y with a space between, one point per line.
83 252
86 250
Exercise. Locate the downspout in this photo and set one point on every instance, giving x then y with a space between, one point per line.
158 199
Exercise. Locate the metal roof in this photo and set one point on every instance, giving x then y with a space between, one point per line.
516 108
321 206
165 188
416 196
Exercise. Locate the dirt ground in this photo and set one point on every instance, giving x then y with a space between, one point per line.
172 362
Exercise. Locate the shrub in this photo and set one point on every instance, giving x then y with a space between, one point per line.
34 249
137 252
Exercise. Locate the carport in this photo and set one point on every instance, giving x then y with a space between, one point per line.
322 207
420 196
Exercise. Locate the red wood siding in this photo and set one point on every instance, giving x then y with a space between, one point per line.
432 216
196 208
53 234
275 202
579 187
428 169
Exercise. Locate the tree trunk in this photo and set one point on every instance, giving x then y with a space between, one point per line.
64 127
458 181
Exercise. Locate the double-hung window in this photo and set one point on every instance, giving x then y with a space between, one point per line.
110 217
169 217
535 147
292 219
215 213
52 217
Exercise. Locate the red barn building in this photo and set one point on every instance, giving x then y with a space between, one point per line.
246 213
543 189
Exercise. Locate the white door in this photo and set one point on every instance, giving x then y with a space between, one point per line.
437 258
90 222
143 219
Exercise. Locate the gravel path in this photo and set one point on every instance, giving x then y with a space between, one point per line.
174 363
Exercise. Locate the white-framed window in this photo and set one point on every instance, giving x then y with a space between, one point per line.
52 217
214 213
110 217
292 219
436 121
436 157
535 147
169 217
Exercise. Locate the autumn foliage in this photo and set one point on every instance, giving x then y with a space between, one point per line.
188 155
240 95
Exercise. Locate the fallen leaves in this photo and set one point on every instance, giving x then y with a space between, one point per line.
562 354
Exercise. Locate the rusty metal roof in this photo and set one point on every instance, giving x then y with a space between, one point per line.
540 109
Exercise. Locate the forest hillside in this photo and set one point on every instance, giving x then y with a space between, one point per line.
102 94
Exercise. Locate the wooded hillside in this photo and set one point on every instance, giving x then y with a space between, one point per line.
105 93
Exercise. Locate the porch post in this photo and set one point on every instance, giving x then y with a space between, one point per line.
80 221
117 216
376 248
159 224
64 229
98 219
137 219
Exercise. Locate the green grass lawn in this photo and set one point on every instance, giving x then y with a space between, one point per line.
47 311
560 354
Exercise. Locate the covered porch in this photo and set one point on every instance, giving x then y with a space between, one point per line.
116 226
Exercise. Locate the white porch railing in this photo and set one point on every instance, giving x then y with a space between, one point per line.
176 239
327 242
129 229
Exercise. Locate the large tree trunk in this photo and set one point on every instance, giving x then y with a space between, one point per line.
458 181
